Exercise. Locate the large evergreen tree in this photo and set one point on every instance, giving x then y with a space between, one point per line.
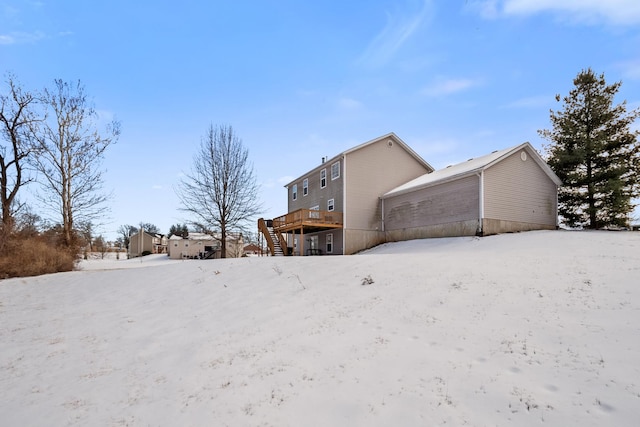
595 153
179 230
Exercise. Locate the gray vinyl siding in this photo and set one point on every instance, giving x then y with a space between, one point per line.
449 202
519 191
318 196
371 172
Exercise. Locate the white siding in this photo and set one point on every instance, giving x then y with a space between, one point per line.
518 190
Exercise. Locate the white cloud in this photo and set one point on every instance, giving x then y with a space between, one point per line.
448 87
617 12
399 28
488 9
21 37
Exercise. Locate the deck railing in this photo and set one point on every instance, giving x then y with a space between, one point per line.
308 217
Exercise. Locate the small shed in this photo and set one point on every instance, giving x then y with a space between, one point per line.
506 191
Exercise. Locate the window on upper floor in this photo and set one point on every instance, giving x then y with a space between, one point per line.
330 205
335 171
294 192
323 178
305 187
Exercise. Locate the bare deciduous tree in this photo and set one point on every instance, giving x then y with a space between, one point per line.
100 244
149 227
125 231
17 116
221 191
70 151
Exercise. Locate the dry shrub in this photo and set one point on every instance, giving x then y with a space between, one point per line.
33 256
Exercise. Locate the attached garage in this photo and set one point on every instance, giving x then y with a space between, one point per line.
505 191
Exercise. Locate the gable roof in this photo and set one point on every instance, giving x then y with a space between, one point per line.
397 139
470 167
389 135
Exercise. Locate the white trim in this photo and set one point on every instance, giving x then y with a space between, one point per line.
481 201
344 203
332 207
556 209
333 178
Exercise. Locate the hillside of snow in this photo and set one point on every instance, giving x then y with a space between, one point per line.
537 328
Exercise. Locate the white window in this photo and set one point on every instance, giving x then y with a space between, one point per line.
305 187
329 243
294 192
323 178
335 171
330 205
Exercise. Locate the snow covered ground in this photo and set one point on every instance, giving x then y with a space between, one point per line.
538 328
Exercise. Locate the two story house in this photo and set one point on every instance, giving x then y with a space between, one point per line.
145 242
335 208
382 191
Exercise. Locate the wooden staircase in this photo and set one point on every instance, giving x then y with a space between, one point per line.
275 242
277 249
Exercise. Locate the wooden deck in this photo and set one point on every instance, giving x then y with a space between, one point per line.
307 219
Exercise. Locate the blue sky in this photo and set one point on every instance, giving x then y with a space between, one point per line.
300 80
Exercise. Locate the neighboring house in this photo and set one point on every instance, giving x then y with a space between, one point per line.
505 191
383 191
335 207
195 245
251 250
202 246
143 241
235 244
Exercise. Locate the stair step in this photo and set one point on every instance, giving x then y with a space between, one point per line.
277 249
